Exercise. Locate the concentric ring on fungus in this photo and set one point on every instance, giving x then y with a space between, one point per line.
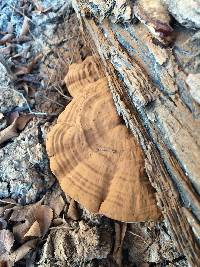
94 157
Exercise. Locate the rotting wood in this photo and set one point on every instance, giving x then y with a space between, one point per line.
165 128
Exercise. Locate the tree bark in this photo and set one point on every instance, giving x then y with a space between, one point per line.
148 84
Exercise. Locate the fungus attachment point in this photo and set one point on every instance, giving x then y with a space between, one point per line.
94 157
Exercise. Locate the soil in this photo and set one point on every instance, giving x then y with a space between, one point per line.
88 240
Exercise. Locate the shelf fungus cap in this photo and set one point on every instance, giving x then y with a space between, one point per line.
94 157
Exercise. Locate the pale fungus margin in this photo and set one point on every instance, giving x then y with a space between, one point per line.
96 160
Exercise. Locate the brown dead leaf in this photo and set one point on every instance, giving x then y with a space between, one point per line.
6 208
6 39
34 230
21 252
22 39
6 201
5 51
13 116
6 241
29 90
72 212
25 53
26 69
57 204
44 216
19 231
37 221
40 9
19 213
38 6
25 26
18 124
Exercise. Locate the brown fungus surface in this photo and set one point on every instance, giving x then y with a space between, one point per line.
94 157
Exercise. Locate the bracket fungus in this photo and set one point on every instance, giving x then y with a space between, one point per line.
94 157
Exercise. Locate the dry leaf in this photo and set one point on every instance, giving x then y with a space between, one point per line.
73 210
22 39
29 90
44 216
22 251
6 209
8 201
18 124
24 53
13 116
26 69
57 204
38 6
6 39
6 241
154 14
25 26
20 229
37 221
20 212
5 51
34 230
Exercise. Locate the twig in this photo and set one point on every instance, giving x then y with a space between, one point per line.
28 106
18 11
139 237
53 101
66 97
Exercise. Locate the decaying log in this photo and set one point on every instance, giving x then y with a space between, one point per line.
148 85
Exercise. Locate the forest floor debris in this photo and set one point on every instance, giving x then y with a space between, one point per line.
38 41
